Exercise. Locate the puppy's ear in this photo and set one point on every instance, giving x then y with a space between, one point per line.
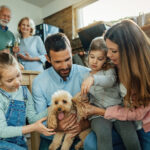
75 99
52 119
85 99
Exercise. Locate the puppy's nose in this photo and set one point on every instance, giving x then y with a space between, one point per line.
59 109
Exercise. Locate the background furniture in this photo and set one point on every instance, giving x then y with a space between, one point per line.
28 77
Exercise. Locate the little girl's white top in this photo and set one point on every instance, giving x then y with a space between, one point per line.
105 92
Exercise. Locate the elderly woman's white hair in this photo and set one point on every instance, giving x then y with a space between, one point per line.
31 23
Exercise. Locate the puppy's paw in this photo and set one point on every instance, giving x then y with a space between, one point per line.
79 145
52 147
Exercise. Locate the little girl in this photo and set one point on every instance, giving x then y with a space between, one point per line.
105 93
15 105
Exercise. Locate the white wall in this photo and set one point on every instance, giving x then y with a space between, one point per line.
21 9
57 5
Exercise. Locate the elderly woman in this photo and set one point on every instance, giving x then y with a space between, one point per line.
32 51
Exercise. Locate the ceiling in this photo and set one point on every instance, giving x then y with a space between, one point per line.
39 3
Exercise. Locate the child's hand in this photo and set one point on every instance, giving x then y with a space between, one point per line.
39 127
87 83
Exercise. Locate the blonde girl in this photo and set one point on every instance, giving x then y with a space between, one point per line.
15 105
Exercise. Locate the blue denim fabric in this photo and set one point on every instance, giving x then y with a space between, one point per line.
15 116
144 138
44 143
91 142
4 145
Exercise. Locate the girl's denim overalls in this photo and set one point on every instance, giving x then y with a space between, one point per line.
15 116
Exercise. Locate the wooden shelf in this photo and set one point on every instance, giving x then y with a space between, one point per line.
27 77
145 27
30 72
90 25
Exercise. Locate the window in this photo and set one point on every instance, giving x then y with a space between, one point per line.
107 11
78 17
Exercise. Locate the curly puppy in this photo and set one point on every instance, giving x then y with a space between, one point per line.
79 103
62 106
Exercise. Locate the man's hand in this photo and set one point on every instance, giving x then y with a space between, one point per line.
75 130
71 126
78 127
67 123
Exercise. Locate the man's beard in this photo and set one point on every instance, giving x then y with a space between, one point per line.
3 22
63 75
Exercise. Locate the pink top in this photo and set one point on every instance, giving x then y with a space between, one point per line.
121 113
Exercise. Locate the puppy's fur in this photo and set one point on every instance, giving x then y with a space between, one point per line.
62 105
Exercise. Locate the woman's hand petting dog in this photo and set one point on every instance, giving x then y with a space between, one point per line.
39 127
92 110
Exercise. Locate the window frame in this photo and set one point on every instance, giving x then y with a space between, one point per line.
75 19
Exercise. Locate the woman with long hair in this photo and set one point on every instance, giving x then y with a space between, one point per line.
129 50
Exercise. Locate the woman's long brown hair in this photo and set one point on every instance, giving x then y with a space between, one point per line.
134 67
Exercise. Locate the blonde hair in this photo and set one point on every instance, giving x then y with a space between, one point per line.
31 23
6 60
134 70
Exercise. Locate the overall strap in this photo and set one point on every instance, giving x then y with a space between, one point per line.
5 94
25 95
16 116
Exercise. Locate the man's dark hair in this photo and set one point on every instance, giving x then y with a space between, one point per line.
57 42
